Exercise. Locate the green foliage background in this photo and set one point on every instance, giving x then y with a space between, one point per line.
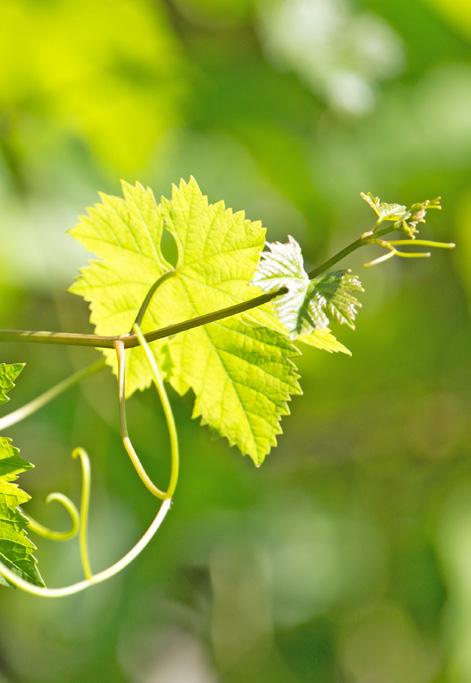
346 557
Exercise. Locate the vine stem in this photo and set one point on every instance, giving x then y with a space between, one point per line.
100 577
131 340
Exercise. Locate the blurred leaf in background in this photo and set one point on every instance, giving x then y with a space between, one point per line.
107 74
340 53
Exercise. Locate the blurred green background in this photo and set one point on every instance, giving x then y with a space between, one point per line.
347 557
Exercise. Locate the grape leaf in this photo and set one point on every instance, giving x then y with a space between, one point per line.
307 304
8 374
125 233
406 218
16 549
242 373
335 294
384 211
324 340
282 266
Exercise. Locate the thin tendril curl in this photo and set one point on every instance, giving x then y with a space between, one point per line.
168 413
51 534
80 519
100 577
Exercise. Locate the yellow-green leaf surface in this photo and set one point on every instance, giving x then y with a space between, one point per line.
384 210
8 374
241 372
16 549
324 340
125 233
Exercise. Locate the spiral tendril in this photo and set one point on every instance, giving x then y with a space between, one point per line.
80 518
84 508
45 532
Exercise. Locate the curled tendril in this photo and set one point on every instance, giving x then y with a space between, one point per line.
51 534
100 577
391 250
90 579
168 412
80 519
84 508
128 445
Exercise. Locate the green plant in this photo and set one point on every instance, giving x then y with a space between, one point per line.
225 321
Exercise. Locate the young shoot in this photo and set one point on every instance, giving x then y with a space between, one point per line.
229 319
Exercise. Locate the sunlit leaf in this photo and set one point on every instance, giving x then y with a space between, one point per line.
324 340
241 372
306 304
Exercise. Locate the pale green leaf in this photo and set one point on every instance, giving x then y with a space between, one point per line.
384 211
125 233
16 549
406 218
8 375
306 304
241 372
324 340
335 294
282 267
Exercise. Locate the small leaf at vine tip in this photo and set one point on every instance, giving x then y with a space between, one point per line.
407 218
16 549
384 211
242 373
8 375
324 340
307 304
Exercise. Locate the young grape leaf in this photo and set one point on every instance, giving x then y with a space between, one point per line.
384 211
406 218
241 372
307 304
16 549
282 266
324 340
